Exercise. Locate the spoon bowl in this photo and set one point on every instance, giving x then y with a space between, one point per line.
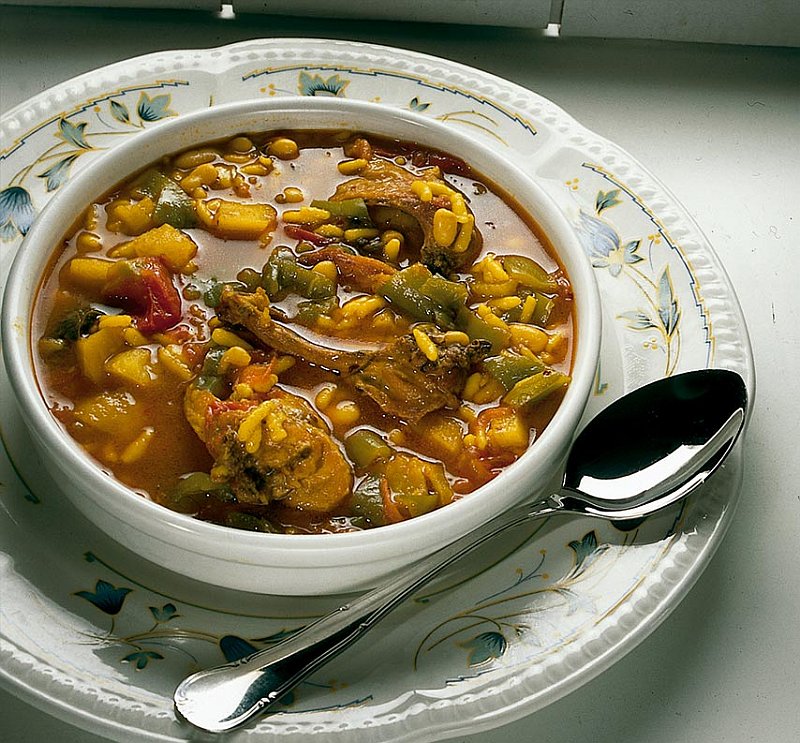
646 451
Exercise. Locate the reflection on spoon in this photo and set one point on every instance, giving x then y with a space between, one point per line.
642 453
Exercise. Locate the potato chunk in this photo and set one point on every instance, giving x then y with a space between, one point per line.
173 245
112 413
132 367
89 274
237 221
93 350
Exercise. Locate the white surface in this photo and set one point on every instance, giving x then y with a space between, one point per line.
722 667
523 13
773 22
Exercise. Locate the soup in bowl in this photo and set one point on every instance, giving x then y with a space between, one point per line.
289 346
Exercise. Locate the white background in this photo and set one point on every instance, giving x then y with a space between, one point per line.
720 126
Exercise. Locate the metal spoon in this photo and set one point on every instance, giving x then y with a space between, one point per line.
642 453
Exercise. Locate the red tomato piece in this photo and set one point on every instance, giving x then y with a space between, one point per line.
143 287
298 233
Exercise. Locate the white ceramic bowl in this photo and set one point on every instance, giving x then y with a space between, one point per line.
276 563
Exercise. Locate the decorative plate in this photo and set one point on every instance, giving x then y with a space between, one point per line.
99 637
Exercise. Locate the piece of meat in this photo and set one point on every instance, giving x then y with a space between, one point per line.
358 272
386 188
271 449
253 311
406 384
399 376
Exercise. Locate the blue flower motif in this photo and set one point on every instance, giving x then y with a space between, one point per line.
120 112
668 311
141 658
16 212
606 199
74 134
165 613
106 597
598 237
235 648
485 647
585 550
57 174
317 85
603 245
415 105
155 108
638 320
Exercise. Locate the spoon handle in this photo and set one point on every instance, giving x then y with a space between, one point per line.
223 698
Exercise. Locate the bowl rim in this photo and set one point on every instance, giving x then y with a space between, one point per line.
18 346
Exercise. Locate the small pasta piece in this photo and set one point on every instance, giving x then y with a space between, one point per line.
426 345
223 337
344 414
282 364
306 215
360 233
194 158
240 144
138 447
423 190
445 227
391 249
324 397
327 269
293 195
284 148
88 242
236 357
351 167
202 175
329 230
528 308
528 336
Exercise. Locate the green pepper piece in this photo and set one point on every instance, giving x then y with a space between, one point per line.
364 447
195 490
405 290
529 273
282 274
172 205
250 278
509 368
355 209
213 292
212 359
249 522
449 294
544 309
77 323
477 329
367 500
536 388
148 184
303 281
310 310
270 276
209 377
